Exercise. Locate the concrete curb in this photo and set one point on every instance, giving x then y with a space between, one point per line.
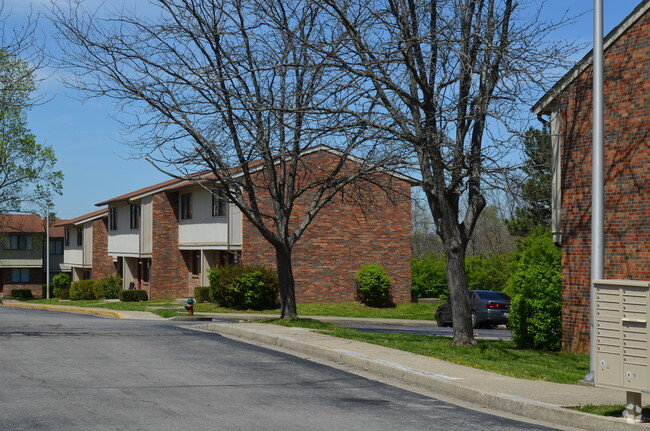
437 383
79 310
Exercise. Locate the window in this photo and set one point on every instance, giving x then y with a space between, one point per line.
219 203
20 275
196 263
112 218
186 206
80 236
66 237
19 242
56 246
135 216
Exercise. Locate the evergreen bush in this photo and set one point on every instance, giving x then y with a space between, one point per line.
110 286
61 286
536 290
373 286
133 295
22 293
244 287
84 290
202 294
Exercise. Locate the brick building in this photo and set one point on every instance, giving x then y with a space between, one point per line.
23 253
165 238
626 169
86 246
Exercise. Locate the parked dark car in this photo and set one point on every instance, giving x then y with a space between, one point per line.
489 309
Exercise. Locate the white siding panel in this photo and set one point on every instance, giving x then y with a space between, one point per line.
146 222
88 244
202 228
123 240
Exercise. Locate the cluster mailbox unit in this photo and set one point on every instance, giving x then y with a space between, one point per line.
623 339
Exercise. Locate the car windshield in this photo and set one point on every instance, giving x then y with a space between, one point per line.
492 296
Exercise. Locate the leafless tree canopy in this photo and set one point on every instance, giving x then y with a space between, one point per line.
451 77
227 87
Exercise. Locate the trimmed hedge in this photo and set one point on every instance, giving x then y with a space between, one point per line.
133 295
22 293
245 287
84 290
202 294
373 286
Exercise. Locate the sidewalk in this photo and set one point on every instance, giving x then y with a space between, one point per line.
534 399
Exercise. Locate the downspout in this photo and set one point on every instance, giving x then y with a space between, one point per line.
227 232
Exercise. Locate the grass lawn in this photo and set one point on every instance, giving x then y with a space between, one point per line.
343 309
501 357
615 411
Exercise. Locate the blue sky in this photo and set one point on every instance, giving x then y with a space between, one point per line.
86 138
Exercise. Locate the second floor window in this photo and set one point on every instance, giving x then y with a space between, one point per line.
112 218
219 203
186 206
19 242
56 247
80 236
66 236
135 216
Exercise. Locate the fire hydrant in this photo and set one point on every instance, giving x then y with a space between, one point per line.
190 306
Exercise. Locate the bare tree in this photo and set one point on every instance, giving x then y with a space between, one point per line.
227 88
450 76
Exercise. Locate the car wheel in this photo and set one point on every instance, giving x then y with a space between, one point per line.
439 320
473 320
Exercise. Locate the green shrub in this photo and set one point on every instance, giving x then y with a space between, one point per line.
61 286
536 290
84 290
202 294
244 288
22 293
490 272
133 295
109 287
373 286
429 277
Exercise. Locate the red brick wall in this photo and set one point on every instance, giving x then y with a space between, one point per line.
168 268
627 178
342 237
103 264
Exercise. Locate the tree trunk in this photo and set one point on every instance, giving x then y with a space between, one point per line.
287 283
460 299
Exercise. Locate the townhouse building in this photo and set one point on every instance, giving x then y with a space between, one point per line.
85 240
167 237
23 253
568 107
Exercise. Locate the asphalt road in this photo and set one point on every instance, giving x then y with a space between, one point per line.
74 372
